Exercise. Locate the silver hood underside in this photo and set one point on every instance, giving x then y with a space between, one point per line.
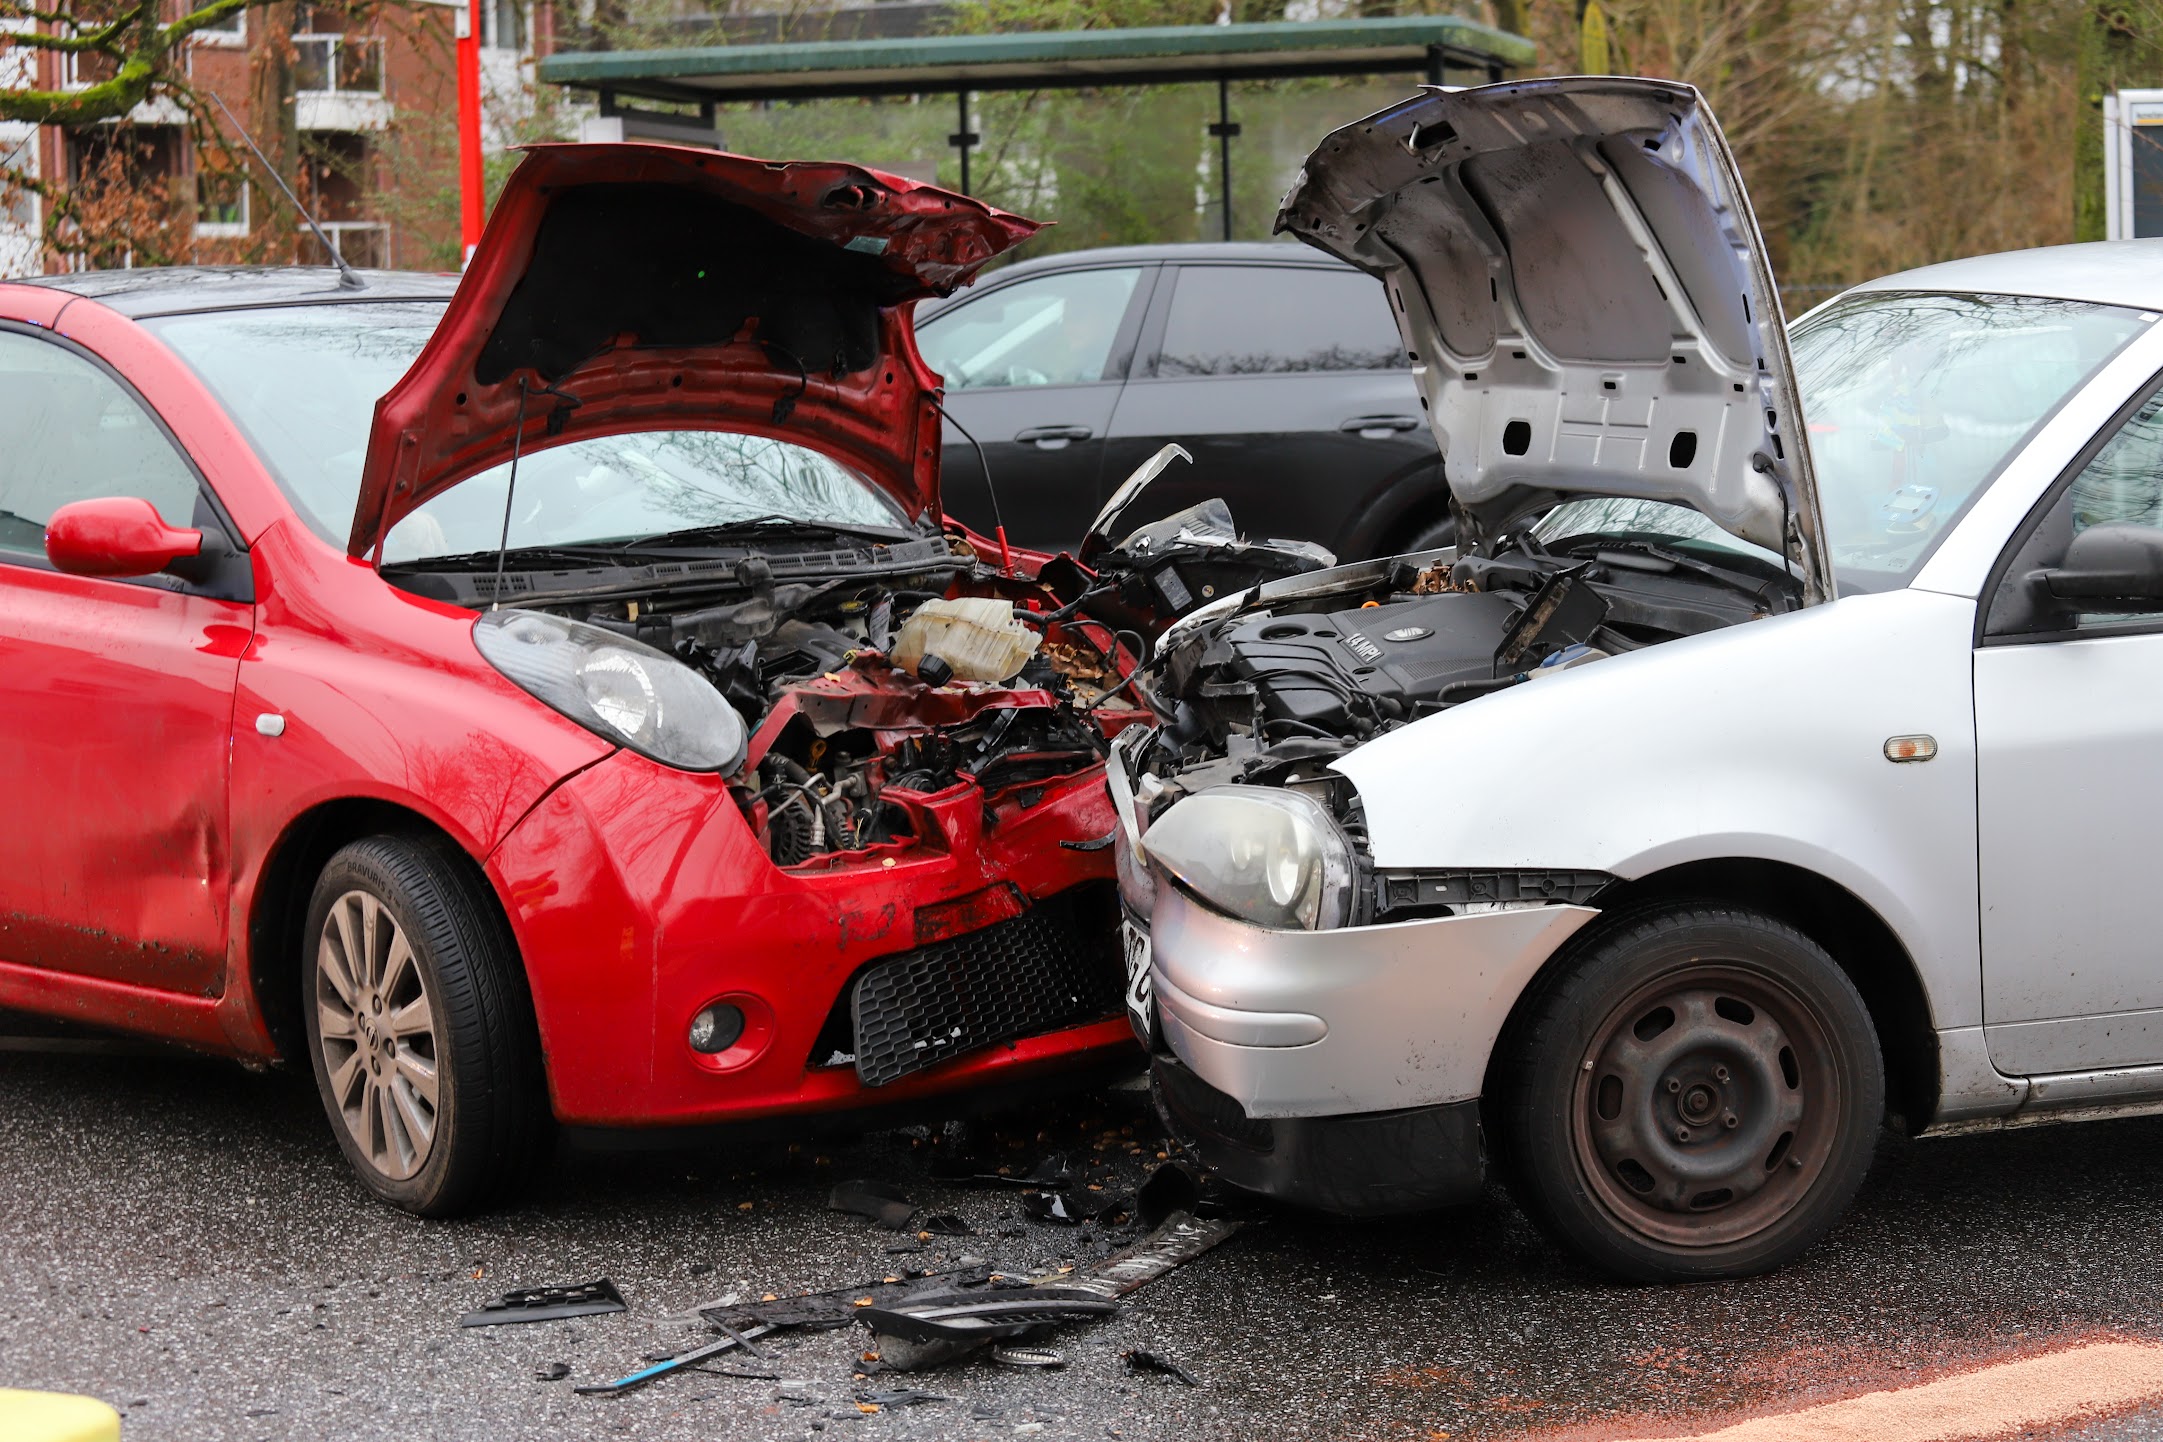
1585 296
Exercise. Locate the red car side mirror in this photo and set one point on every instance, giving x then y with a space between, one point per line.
115 536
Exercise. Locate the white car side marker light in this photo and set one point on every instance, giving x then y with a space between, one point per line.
270 723
1910 748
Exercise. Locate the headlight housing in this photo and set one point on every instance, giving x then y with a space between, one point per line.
1275 858
615 687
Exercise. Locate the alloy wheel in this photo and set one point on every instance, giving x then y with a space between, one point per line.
376 1024
1706 1106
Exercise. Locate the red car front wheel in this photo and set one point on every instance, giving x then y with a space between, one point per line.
420 1029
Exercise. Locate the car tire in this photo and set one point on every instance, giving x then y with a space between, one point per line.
1430 537
1694 1094
420 1028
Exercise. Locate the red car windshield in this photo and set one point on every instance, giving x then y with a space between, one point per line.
302 382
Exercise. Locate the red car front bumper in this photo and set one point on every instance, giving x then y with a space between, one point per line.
639 895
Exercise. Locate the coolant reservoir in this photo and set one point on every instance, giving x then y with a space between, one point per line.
976 635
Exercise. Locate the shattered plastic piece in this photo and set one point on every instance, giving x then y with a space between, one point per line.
882 1202
1178 1239
1139 1360
1172 1187
548 1304
945 1224
982 1316
1012 1355
552 1372
903 1397
819 1311
1071 1208
676 1363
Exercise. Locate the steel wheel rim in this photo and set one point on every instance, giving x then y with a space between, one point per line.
1706 1106
376 1035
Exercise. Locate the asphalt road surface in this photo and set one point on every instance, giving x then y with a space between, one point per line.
180 1238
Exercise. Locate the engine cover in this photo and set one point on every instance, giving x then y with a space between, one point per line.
1309 668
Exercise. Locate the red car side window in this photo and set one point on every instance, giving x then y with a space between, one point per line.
69 433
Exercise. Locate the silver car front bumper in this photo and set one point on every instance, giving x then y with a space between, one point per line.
1332 1023
1350 1021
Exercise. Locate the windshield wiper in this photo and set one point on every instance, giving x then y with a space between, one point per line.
1675 561
767 525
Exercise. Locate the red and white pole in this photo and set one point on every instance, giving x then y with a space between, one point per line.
472 203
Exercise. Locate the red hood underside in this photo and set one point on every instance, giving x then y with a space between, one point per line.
657 287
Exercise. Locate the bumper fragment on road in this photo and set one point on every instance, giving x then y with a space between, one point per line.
1995 1401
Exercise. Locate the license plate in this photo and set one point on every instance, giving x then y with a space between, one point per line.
1141 998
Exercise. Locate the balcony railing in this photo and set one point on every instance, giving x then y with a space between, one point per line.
338 64
363 243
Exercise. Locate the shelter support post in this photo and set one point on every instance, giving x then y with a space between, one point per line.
964 139
1224 130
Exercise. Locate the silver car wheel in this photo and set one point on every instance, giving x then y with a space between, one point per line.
376 1025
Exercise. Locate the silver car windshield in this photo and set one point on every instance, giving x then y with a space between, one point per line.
1913 403
302 382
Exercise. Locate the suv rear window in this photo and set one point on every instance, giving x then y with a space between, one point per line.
1229 320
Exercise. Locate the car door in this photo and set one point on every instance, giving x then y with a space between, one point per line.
2069 755
116 696
1033 370
1288 384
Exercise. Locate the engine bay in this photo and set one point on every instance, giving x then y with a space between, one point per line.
1271 686
849 748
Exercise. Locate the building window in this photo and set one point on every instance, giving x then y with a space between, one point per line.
221 204
231 32
328 61
504 25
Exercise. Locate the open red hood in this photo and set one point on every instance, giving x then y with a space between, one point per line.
638 287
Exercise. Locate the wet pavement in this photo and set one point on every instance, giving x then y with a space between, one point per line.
180 1238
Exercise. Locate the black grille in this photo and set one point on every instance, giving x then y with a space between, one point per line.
1055 965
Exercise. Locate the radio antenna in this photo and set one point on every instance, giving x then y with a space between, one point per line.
348 277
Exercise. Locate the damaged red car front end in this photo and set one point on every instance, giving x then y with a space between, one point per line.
899 891
611 727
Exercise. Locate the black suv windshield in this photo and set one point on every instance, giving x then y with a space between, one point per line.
302 382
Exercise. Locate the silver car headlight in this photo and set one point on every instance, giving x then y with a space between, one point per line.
1275 858
615 687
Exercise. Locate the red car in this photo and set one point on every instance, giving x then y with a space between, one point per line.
586 731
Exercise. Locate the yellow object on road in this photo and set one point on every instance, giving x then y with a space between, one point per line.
56 1417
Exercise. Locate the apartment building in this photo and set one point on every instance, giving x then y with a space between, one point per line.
374 95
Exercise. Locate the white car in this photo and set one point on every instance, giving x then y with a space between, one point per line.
1726 795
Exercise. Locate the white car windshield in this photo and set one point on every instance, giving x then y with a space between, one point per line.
1913 402
302 382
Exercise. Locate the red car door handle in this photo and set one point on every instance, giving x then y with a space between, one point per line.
1051 438
1376 427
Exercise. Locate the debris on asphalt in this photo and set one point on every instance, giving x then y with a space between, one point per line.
659 1369
552 1372
930 1330
944 1224
548 1304
1142 1361
983 1315
882 1202
1013 1355
839 1306
1072 1208
903 1397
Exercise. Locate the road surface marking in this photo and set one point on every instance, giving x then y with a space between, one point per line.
1990 1402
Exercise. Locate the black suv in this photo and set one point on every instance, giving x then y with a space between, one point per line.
1280 369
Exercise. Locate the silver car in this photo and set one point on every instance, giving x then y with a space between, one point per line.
1780 755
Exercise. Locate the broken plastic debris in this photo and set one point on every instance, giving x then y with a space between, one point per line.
1140 1360
882 1202
902 1397
548 1304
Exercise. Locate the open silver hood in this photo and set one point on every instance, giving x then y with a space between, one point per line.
1585 296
